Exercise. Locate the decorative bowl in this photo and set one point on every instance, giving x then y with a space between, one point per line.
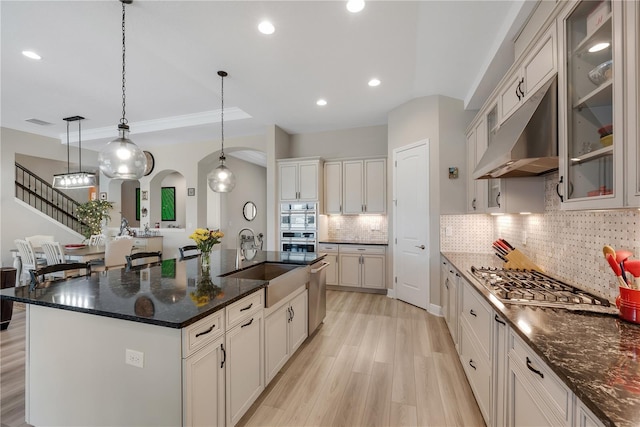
601 73
606 140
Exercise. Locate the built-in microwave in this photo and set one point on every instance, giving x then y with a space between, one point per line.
298 216
298 241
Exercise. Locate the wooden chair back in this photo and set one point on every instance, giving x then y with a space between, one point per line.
54 253
27 255
69 270
38 239
97 240
189 251
143 259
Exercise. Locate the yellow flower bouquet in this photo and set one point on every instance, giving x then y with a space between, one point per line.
205 240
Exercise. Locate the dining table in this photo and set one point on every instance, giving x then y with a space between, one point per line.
73 253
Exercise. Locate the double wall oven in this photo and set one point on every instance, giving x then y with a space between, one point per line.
298 227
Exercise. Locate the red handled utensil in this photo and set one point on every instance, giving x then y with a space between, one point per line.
622 255
505 247
633 267
616 270
507 244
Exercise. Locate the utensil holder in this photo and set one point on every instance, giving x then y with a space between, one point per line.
628 303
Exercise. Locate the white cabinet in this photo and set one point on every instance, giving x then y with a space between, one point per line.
364 184
286 329
536 395
516 195
476 146
148 244
632 101
537 67
362 266
584 417
499 371
204 386
333 187
450 301
300 180
244 344
591 174
203 379
476 324
331 251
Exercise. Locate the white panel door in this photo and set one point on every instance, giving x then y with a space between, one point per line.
373 271
276 327
298 325
204 386
350 270
411 193
352 186
288 181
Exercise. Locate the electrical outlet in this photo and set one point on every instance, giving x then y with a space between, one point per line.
448 231
134 358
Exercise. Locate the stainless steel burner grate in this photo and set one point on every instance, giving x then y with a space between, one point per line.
533 287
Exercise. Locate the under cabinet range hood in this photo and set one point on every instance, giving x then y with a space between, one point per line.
527 142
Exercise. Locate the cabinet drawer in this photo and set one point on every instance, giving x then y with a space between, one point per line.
478 315
328 248
362 249
556 394
202 332
476 367
245 307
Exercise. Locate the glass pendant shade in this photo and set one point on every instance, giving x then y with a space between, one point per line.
221 179
121 158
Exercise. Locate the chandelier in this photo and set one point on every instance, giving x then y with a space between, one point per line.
221 179
77 179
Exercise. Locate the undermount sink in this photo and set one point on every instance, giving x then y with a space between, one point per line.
283 279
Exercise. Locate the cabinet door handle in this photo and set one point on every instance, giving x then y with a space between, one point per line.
518 93
288 314
473 313
421 247
293 313
205 332
248 323
498 199
534 370
497 319
446 283
471 364
558 189
224 355
473 203
247 307
457 275
520 87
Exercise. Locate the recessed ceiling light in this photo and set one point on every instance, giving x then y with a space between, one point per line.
598 47
31 54
374 82
355 6
266 27
321 102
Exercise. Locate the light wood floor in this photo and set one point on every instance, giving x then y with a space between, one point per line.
374 362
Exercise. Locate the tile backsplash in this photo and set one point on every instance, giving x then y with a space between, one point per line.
566 244
357 227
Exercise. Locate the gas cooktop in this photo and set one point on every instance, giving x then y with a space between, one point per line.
530 287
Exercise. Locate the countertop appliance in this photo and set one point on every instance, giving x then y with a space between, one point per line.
531 287
317 295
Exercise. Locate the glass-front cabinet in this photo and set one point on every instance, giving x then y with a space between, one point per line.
493 185
591 129
632 100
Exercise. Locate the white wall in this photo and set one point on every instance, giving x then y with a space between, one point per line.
356 142
441 120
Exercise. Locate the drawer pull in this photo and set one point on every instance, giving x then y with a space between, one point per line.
532 369
205 332
224 356
473 313
247 307
497 319
472 365
248 323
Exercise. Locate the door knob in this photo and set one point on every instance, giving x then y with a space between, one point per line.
421 247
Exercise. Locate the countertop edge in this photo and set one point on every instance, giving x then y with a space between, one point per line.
604 418
352 242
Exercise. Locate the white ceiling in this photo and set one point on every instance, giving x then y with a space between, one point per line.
459 49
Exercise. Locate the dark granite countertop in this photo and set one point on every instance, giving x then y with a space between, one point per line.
162 295
596 355
355 242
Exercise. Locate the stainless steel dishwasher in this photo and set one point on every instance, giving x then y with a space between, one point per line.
317 287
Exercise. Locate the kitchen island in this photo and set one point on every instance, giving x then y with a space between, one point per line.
596 355
85 336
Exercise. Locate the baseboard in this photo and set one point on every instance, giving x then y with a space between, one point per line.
352 289
436 310
391 293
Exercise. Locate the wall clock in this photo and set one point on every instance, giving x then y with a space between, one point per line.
151 162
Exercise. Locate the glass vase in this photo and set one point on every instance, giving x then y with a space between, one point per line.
205 261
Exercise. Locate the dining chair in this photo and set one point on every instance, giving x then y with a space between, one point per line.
114 255
189 251
27 256
97 239
143 259
53 253
38 239
57 272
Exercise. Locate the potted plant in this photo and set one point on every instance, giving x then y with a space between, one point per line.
92 214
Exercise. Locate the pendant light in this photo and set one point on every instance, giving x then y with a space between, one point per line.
121 158
221 179
79 179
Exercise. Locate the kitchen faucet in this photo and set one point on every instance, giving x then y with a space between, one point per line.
245 244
